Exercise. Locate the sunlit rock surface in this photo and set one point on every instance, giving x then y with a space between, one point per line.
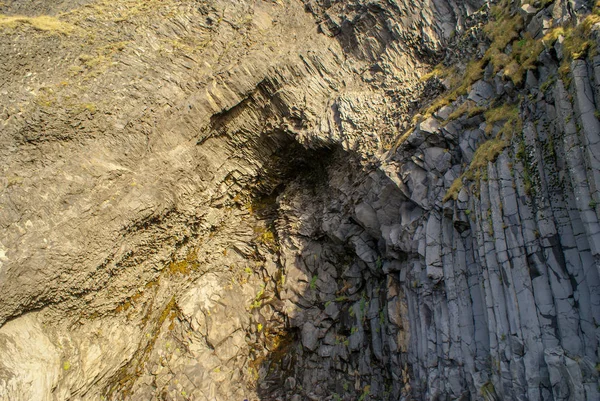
299 200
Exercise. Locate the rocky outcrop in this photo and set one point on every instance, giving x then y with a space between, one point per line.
273 200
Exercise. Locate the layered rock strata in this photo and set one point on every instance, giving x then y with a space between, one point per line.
213 200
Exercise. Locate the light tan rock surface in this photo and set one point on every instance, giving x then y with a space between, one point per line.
216 200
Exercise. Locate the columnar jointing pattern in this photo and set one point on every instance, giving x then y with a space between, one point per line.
254 214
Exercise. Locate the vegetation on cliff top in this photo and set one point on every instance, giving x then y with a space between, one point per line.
511 53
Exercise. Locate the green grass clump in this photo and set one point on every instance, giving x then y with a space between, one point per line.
454 189
485 153
313 282
473 72
469 108
525 53
365 393
502 31
490 149
578 42
504 28
547 84
514 61
506 112
439 71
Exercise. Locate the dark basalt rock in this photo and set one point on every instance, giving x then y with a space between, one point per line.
208 200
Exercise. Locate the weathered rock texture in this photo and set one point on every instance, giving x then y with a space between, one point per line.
215 200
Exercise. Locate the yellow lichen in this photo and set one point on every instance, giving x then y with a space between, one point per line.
186 266
266 236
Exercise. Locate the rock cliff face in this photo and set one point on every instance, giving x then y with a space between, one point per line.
291 200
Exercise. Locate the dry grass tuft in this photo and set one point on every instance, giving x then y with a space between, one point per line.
44 23
490 149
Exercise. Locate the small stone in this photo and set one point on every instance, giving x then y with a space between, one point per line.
481 93
528 9
444 112
310 336
290 383
431 125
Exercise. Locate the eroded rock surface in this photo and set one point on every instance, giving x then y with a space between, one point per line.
214 200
